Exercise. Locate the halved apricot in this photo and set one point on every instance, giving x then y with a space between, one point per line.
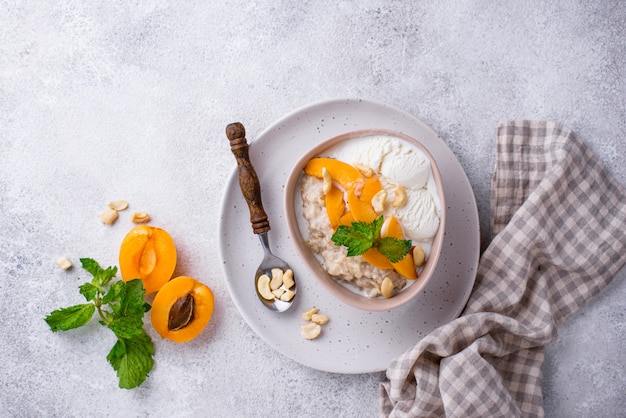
182 309
148 253
342 173
404 267
362 211
335 206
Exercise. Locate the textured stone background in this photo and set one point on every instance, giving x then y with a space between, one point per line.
102 100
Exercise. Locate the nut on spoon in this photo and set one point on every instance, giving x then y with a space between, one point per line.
251 190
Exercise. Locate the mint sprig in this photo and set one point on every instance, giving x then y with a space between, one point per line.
361 236
121 307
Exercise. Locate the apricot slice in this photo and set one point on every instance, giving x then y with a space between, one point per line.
342 173
376 259
346 219
335 206
182 309
147 253
362 211
371 186
404 267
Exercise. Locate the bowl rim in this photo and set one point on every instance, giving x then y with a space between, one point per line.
312 263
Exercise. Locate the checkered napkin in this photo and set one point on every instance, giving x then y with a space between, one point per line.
559 220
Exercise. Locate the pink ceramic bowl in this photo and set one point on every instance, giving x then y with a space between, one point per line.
298 227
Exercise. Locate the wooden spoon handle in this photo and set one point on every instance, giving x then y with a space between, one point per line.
248 179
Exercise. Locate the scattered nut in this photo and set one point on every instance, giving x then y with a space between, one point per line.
399 197
378 201
108 216
140 217
287 295
328 180
118 205
310 331
263 286
309 314
277 279
365 170
386 287
319 319
288 281
64 263
418 256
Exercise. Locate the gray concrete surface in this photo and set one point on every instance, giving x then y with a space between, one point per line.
110 100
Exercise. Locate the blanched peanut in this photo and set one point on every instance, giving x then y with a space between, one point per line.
378 201
319 319
288 279
140 217
309 314
327 179
277 279
386 287
399 197
118 205
287 295
310 331
108 216
263 286
418 256
64 263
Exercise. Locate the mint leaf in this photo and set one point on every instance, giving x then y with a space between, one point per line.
361 236
132 359
101 277
394 249
71 317
127 326
358 237
114 293
88 290
132 302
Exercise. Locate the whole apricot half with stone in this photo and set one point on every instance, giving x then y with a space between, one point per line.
182 309
148 253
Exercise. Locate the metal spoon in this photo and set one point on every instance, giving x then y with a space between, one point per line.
251 190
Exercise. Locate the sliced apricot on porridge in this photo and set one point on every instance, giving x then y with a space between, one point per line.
342 173
405 267
376 259
362 211
335 206
371 186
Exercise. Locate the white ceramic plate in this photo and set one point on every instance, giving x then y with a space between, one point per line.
353 341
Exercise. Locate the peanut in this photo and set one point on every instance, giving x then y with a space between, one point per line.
378 201
309 314
310 331
386 287
64 263
277 279
108 216
263 286
319 319
288 279
418 256
140 217
399 197
118 205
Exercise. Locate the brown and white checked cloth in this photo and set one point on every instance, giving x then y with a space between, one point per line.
559 222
